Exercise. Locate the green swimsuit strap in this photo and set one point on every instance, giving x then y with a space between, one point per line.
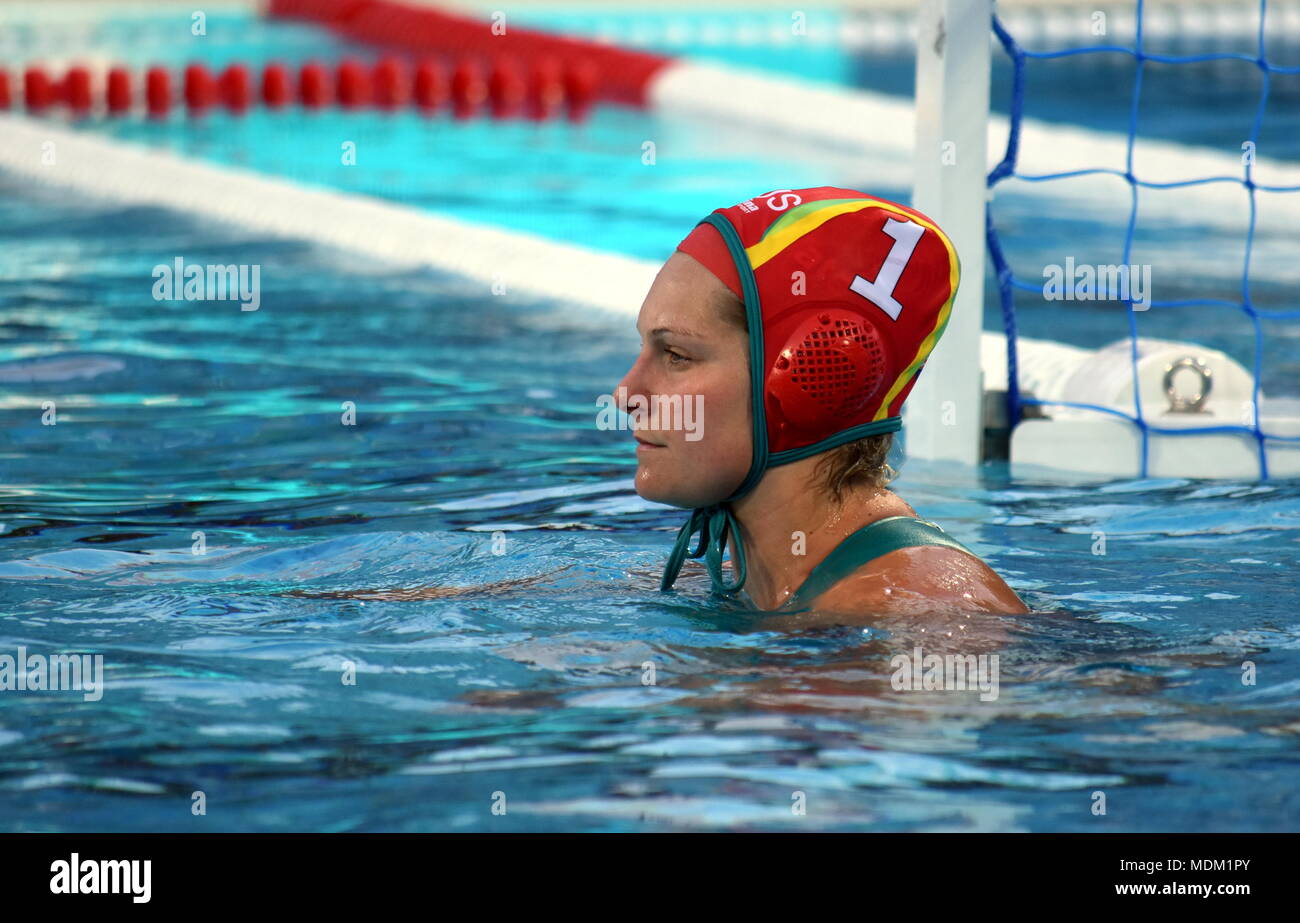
867 544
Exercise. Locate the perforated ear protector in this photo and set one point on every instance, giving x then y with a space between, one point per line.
831 364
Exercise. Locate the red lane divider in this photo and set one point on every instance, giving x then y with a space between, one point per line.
618 74
539 88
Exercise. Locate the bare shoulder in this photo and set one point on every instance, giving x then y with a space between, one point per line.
923 579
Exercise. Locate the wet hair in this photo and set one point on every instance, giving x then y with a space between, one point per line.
840 470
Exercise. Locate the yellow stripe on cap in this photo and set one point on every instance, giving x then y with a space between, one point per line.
940 323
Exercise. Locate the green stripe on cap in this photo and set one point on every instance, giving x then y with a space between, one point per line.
800 211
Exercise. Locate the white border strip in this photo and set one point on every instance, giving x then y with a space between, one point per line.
388 232
891 26
93 12
820 114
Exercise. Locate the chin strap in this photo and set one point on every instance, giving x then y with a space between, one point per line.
714 523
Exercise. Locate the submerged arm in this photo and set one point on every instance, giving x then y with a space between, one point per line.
431 591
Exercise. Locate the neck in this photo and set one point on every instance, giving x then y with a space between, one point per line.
788 527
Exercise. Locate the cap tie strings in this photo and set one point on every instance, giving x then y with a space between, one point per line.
714 523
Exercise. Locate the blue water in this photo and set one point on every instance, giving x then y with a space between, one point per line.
475 435
475 416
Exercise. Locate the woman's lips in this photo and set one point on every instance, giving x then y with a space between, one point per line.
645 445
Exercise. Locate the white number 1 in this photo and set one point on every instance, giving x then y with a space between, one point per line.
906 234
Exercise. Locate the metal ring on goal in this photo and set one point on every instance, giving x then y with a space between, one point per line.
1178 403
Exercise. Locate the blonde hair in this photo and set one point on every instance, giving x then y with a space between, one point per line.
861 463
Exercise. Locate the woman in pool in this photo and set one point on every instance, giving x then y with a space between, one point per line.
798 321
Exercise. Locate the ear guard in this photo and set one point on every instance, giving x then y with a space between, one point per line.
830 365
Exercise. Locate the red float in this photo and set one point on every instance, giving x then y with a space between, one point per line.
118 92
468 89
353 85
545 88
158 92
430 87
5 99
391 85
236 88
506 89
200 89
581 80
313 86
38 90
276 92
76 89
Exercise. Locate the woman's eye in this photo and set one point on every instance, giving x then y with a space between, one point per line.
674 356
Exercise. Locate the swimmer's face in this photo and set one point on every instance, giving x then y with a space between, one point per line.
694 369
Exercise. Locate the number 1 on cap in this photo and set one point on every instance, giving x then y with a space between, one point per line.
906 235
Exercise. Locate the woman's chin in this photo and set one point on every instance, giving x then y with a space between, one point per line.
650 492
656 491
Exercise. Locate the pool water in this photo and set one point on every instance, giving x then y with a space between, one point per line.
474 417
475 460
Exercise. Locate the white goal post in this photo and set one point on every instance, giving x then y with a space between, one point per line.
944 414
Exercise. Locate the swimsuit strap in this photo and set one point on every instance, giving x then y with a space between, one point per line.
866 544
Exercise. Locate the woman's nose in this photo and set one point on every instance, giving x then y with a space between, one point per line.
627 391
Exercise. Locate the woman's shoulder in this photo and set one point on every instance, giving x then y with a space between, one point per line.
922 579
